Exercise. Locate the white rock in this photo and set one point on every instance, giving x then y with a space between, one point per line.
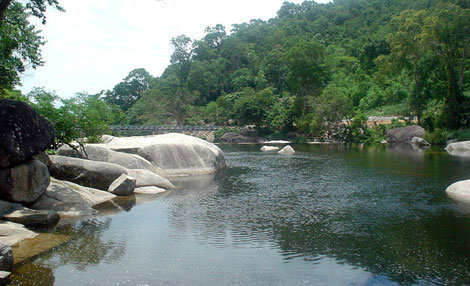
269 148
459 149
459 191
98 152
150 190
4 277
288 150
11 233
71 200
146 178
277 142
174 154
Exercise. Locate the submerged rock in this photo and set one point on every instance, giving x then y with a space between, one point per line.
288 150
23 133
150 190
93 174
269 148
24 183
404 134
459 191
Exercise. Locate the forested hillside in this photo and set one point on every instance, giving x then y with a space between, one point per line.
313 68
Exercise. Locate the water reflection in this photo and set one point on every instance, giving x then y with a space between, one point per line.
87 246
330 214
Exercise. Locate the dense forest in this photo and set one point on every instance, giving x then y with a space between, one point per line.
316 70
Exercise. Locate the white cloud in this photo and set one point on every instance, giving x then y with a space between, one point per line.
96 43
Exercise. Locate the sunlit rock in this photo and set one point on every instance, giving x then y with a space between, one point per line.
269 148
459 149
146 178
459 191
122 186
11 233
288 150
174 154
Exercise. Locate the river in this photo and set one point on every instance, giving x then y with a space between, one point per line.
329 215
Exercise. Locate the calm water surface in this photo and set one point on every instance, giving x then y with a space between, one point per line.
329 215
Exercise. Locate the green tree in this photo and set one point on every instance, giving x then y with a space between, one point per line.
36 7
127 92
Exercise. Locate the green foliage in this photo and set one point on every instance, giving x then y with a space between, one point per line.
83 117
219 133
437 137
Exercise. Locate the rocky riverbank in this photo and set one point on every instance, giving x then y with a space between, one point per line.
37 190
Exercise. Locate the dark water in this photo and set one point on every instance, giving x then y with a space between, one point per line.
329 215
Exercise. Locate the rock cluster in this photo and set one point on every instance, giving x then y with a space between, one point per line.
84 177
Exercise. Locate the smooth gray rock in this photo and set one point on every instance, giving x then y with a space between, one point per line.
71 200
6 257
11 233
150 190
98 152
23 133
288 150
8 207
122 186
174 154
459 191
93 174
24 183
269 148
419 142
146 178
456 147
404 134
29 217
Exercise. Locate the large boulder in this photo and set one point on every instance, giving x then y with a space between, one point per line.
101 153
238 138
404 134
459 148
11 233
122 186
174 153
24 183
459 191
6 257
23 133
70 200
93 174
146 178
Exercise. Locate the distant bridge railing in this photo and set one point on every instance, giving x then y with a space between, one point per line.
163 128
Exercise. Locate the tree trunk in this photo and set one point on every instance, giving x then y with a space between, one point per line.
462 66
3 7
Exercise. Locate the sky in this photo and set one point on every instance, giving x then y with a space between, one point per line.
96 43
